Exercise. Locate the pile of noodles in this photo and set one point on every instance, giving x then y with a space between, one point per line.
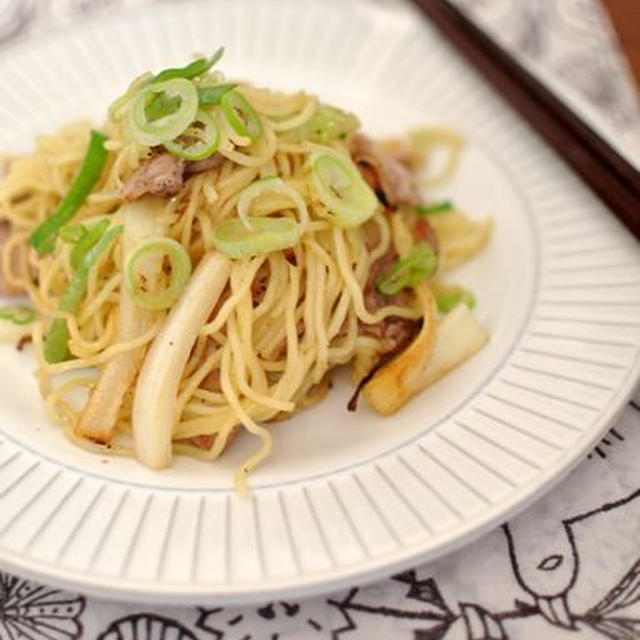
286 319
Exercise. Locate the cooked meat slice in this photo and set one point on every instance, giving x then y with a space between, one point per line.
161 175
384 172
391 331
424 232
200 166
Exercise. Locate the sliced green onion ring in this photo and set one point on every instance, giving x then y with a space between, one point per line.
241 115
199 140
232 237
180 272
212 95
339 185
448 298
273 185
18 315
420 264
153 132
117 106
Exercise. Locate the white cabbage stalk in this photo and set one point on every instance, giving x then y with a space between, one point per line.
154 404
457 337
142 220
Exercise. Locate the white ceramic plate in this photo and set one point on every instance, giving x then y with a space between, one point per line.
344 497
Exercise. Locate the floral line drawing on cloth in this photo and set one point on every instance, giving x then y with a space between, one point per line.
35 612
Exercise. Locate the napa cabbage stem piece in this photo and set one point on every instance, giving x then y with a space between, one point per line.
142 220
154 404
429 357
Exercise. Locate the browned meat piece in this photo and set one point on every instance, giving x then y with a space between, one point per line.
384 172
161 175
424 232
391 331
200 166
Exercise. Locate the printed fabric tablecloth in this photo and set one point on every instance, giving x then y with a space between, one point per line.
567 568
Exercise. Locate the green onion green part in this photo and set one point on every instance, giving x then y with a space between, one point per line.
448 298
56 342
180 272
431 209
161 106
212 95
18 315
419 265
193 69
241 115
42 239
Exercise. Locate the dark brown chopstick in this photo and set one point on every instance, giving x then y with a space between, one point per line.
611 177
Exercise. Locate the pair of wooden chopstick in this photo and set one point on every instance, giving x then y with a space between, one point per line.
611 177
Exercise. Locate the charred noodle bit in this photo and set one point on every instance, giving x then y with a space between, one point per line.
154 411
292 220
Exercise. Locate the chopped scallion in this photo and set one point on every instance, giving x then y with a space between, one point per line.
431 209
18 315
448 298
420 264
42 239
180 272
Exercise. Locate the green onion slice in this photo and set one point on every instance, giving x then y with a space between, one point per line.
432 209
56 342
18 315
193 69
340 187
151 132
327 123
420 264
42 238
117 106
180 272
212 95
232 237
198 141
240 115
448 298
273 185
